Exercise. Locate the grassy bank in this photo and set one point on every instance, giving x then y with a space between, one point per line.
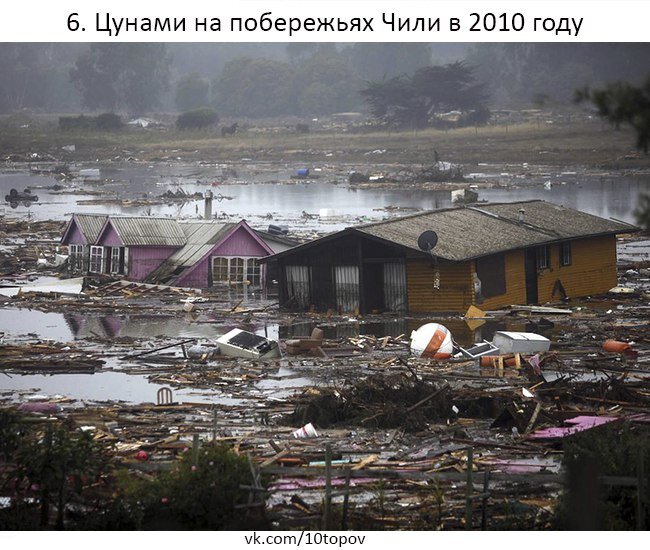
590 144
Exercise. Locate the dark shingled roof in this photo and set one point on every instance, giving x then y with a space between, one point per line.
470 232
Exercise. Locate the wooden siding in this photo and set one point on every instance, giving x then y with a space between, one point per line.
592 269
75 236
515 283
109 237
144 259
240 243
455 292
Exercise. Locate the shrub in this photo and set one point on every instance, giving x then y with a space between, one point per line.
205 495
104 122
109 122
612 450
80 122
197 119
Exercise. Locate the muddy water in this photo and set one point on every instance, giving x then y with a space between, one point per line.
66 327
252 195
101 386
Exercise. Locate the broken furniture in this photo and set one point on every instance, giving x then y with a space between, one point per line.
299 345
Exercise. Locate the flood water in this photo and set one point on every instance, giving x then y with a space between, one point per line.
102 386
251 193
254 192
67 327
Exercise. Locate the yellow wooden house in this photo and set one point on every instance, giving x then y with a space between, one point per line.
489 255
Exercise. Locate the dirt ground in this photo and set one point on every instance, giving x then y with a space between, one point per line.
545 138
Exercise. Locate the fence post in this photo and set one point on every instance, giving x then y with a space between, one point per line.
469 489
486 484
640 491
327 509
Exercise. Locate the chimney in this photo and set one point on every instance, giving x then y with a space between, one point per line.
522 213
207 214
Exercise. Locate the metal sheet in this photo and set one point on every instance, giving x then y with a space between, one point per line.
143 231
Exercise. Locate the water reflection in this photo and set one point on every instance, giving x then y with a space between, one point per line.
105 386
335 202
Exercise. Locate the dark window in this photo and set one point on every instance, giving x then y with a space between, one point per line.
543 257
565 254
491 271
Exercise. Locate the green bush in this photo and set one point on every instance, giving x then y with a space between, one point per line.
197 119
104 122
108 122
612 450
80 122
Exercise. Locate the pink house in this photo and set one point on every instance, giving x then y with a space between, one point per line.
189 253
80 233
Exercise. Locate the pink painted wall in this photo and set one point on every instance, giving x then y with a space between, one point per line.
109 237
239 243
75 236
144 259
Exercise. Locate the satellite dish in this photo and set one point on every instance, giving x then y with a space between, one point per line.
427 241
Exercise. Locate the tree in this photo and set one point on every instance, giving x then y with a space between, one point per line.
418 101
132 76
621 103
192 92
518 73
256 88
58 465
325 84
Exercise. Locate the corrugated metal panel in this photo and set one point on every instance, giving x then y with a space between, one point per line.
142 231
201 237
346 281
395 287
297 285
90 225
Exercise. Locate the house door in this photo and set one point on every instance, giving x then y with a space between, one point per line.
372 288
531 276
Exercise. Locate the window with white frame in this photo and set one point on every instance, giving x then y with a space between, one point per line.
253 272
220 270
118 260
236 270
76 257
96 259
